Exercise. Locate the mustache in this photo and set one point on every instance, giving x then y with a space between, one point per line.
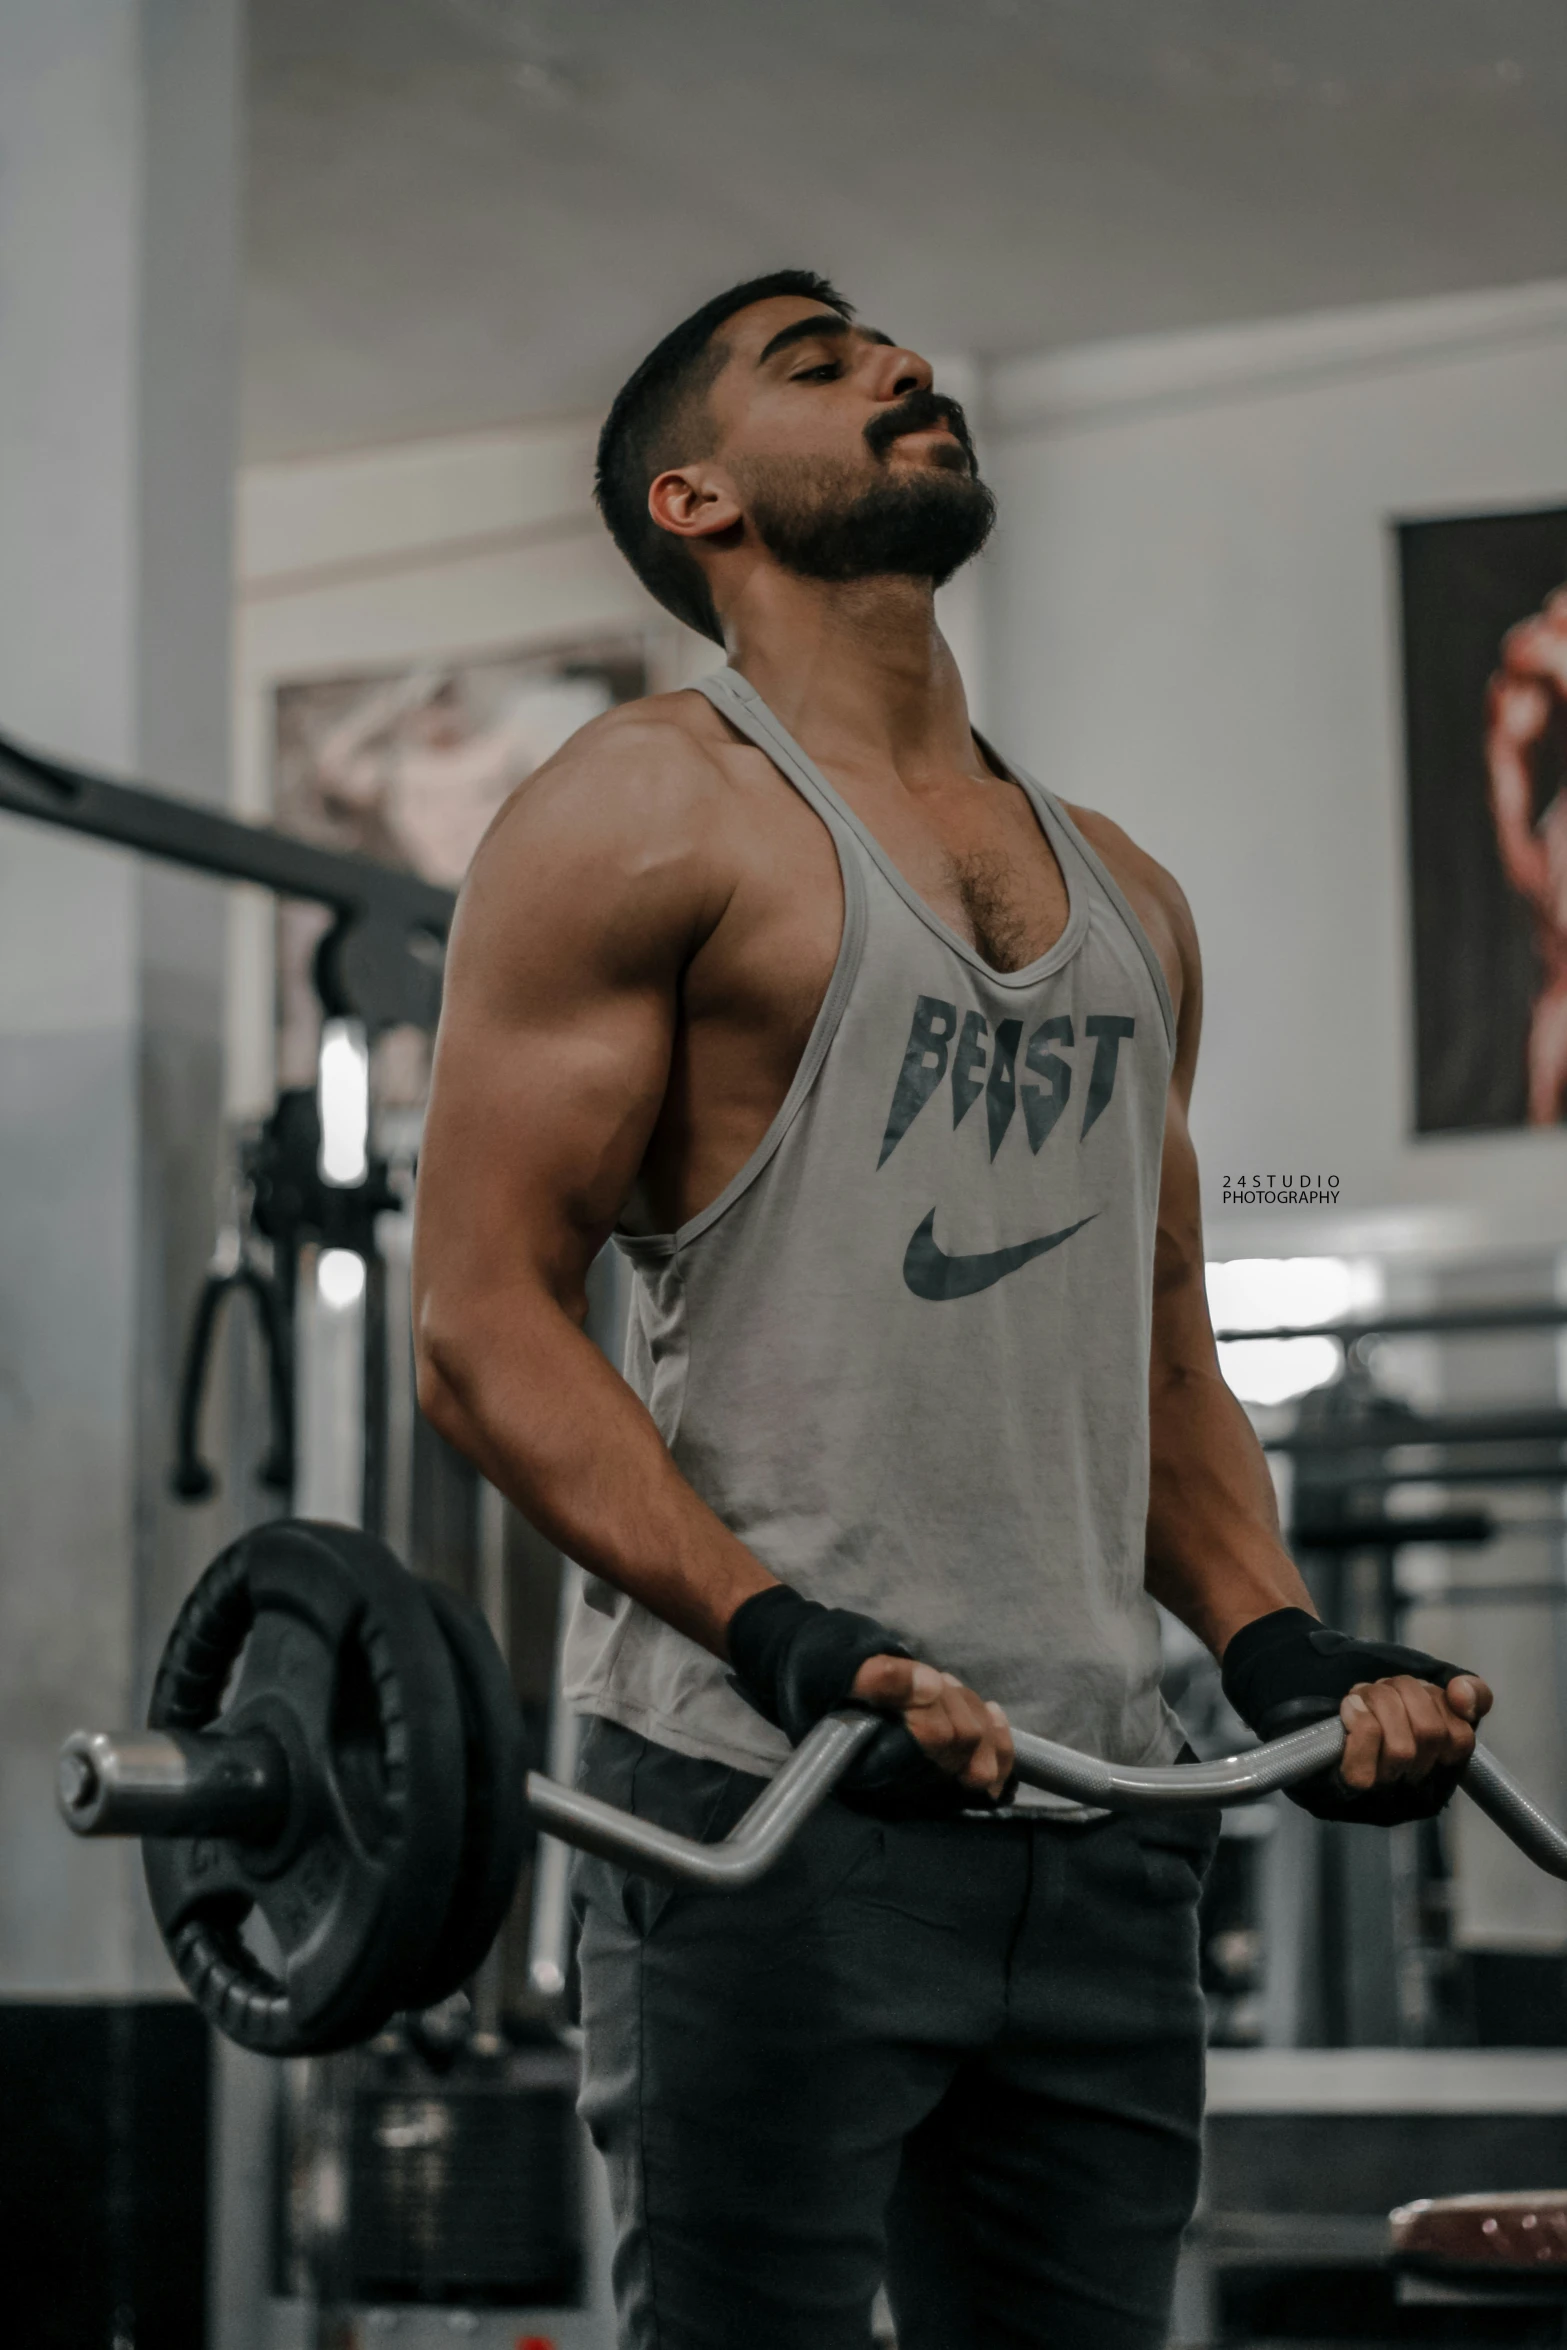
920 411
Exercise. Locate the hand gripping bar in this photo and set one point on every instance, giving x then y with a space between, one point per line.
821 1759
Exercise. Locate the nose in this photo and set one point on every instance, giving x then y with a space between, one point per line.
896 372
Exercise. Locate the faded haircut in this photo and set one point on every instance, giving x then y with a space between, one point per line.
659 419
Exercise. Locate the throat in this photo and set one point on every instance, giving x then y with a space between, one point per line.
1008 930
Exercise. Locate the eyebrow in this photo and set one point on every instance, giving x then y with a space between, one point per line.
806 330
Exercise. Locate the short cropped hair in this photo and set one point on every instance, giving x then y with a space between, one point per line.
656 422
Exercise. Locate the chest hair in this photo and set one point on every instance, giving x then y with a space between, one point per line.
1004 924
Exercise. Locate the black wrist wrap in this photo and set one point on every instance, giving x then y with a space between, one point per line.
795 1660
1286 1670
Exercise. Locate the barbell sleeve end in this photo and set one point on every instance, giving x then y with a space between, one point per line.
79 1782
156 1783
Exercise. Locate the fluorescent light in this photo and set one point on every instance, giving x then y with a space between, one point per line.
1272 1293
340 1277
1276 1370
343 1094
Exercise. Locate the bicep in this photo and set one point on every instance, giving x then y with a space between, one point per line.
539 1113
551 1062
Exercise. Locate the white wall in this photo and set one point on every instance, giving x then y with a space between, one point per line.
1192 625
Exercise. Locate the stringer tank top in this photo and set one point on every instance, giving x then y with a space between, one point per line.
904 1355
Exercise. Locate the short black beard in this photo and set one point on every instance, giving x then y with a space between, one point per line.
923 525
923 528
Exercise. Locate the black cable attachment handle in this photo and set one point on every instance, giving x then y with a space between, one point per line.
192 1478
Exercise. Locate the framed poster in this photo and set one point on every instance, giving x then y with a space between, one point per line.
1485 728
410 766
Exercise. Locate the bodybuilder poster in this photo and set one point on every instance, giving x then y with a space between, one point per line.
1485 701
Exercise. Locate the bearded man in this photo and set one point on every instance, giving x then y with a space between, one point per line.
875 1059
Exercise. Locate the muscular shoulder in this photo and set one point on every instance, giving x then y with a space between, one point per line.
1158 901
652 767
612 852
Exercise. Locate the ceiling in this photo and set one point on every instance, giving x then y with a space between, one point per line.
465 212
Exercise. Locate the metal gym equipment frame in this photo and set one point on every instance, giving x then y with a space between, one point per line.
381 960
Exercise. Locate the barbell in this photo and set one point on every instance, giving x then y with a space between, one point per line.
333 1804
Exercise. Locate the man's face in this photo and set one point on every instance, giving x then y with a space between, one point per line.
847 463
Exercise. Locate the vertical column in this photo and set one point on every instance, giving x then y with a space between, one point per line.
118 140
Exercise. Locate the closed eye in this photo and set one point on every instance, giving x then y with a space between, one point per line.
828 372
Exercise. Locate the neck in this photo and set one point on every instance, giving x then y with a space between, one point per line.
858 671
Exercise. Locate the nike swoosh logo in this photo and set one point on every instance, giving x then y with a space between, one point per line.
931 1273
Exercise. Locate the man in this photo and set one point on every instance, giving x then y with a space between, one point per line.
876 1061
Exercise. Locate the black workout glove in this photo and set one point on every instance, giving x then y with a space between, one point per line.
795 1660
1286 1670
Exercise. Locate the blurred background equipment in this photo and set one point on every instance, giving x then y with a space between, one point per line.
385 1898
1421 1462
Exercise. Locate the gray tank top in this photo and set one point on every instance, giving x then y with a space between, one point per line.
904 1354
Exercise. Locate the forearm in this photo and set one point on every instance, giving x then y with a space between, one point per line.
1215 1556
526 1396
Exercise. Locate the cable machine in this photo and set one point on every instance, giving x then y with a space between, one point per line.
316 1249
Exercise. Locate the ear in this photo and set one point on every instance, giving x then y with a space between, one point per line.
693 502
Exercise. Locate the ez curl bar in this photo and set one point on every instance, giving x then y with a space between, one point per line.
336 1745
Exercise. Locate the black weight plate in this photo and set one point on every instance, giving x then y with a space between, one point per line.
316 1634
495 1826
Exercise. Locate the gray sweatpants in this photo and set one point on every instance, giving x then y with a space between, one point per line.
963 2057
